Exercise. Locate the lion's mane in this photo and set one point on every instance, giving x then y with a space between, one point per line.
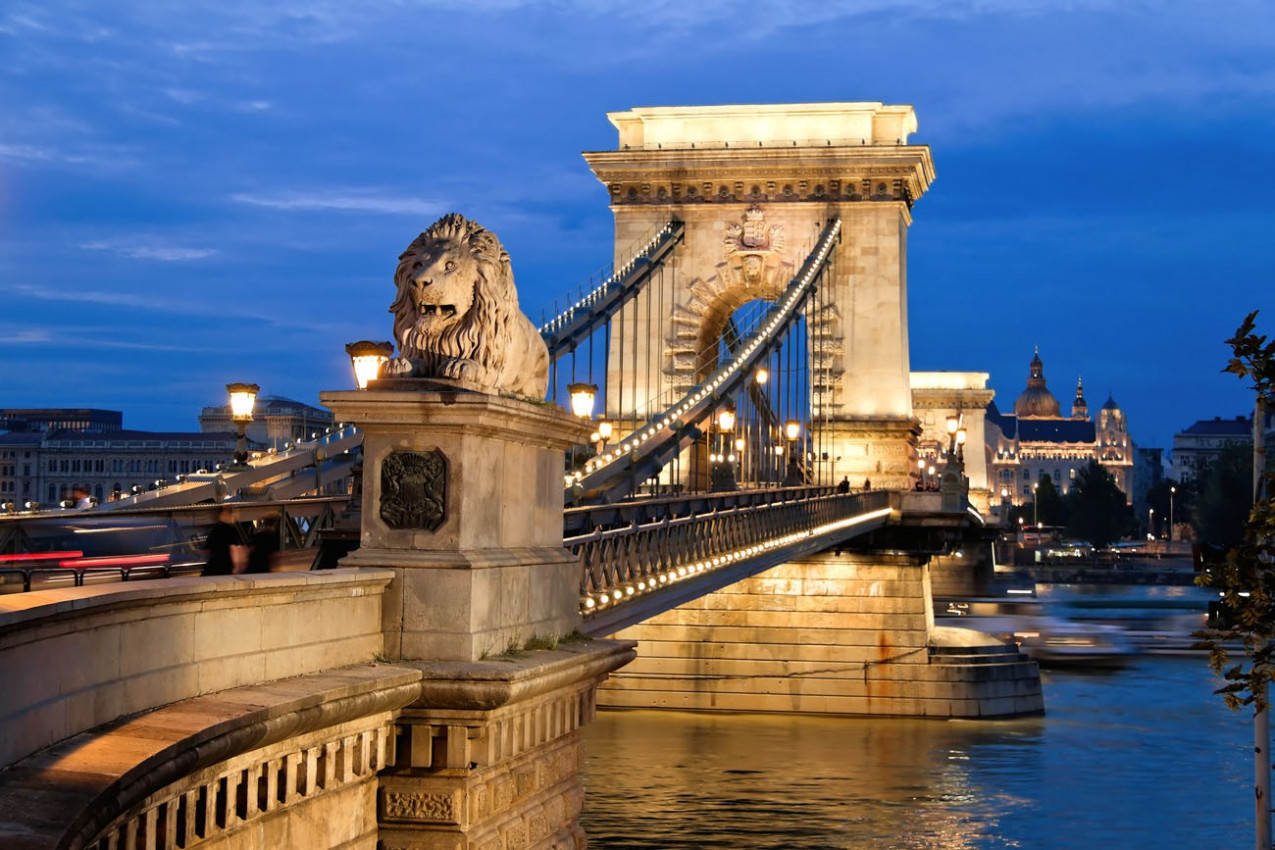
493 346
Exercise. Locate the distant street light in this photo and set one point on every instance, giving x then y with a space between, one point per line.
1035 506
1151 523
1172 490
242 399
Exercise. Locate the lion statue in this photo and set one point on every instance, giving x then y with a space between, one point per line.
456 316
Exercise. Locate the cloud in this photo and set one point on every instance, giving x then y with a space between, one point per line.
27 336
26 153
168 254
345 201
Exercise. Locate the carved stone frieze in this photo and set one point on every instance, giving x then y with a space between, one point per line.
431 808
414 490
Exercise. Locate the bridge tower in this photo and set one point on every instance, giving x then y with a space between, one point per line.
754 186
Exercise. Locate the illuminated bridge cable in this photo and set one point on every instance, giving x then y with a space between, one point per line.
564 332
642 453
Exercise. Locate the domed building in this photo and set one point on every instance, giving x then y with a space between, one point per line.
1036 401
1036 439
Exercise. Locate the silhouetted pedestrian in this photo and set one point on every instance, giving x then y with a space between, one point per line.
222 540
844 485
263 547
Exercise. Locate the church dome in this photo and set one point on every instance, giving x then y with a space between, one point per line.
1037 400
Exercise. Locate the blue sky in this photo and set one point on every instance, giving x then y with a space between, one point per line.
195 193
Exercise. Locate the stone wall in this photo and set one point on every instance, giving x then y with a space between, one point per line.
830 634
76 658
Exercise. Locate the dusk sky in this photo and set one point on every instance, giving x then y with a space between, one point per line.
202 192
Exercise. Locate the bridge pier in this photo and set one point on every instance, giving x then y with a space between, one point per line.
462 501
829 634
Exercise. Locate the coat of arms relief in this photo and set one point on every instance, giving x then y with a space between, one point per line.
753 250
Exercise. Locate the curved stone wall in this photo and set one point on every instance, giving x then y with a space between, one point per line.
76 658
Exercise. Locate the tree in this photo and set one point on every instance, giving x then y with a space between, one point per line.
1051 508
1097 508
1245 576
1224 496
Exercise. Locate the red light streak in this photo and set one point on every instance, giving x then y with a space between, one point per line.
116 561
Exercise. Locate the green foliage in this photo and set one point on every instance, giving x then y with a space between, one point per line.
1246 578
1097 509
1052 510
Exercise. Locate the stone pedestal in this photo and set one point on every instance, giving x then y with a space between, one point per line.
489 757
462 499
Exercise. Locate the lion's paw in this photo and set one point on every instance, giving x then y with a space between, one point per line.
397 366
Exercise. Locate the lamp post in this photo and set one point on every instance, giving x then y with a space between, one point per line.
722 472
1035 505
242 399
1151 522
792 431
1172 490
367 358
582 396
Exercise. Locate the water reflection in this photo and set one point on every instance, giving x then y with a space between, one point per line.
1119 761
678 780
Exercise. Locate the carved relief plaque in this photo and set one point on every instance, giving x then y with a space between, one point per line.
414 490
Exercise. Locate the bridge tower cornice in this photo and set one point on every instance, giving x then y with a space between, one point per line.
758 174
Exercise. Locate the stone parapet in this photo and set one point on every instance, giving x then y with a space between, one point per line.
75 658
287 764
489 755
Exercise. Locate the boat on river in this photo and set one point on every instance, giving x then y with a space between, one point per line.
1050 641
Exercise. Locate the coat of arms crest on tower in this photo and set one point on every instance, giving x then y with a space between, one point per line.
753 241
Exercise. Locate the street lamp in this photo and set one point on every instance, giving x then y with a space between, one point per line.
762 375
1151 522
582 396
1172 490
792 432
722 471
1035 506
605 430
367 357
242 399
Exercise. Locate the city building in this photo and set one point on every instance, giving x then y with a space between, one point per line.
1200 445
51 419
276 421
1036 439
46 453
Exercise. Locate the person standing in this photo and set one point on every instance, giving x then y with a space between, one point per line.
263 546
222 539
844 485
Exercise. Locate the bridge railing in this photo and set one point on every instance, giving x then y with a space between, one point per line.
643 557
74 548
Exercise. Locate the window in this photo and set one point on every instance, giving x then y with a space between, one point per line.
1027 474
1057 475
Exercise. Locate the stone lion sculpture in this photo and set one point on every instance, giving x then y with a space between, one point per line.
456 316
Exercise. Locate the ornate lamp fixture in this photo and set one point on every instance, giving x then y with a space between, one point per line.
582 396
242 399
367 358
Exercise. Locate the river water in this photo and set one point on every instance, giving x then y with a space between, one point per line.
1144 757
